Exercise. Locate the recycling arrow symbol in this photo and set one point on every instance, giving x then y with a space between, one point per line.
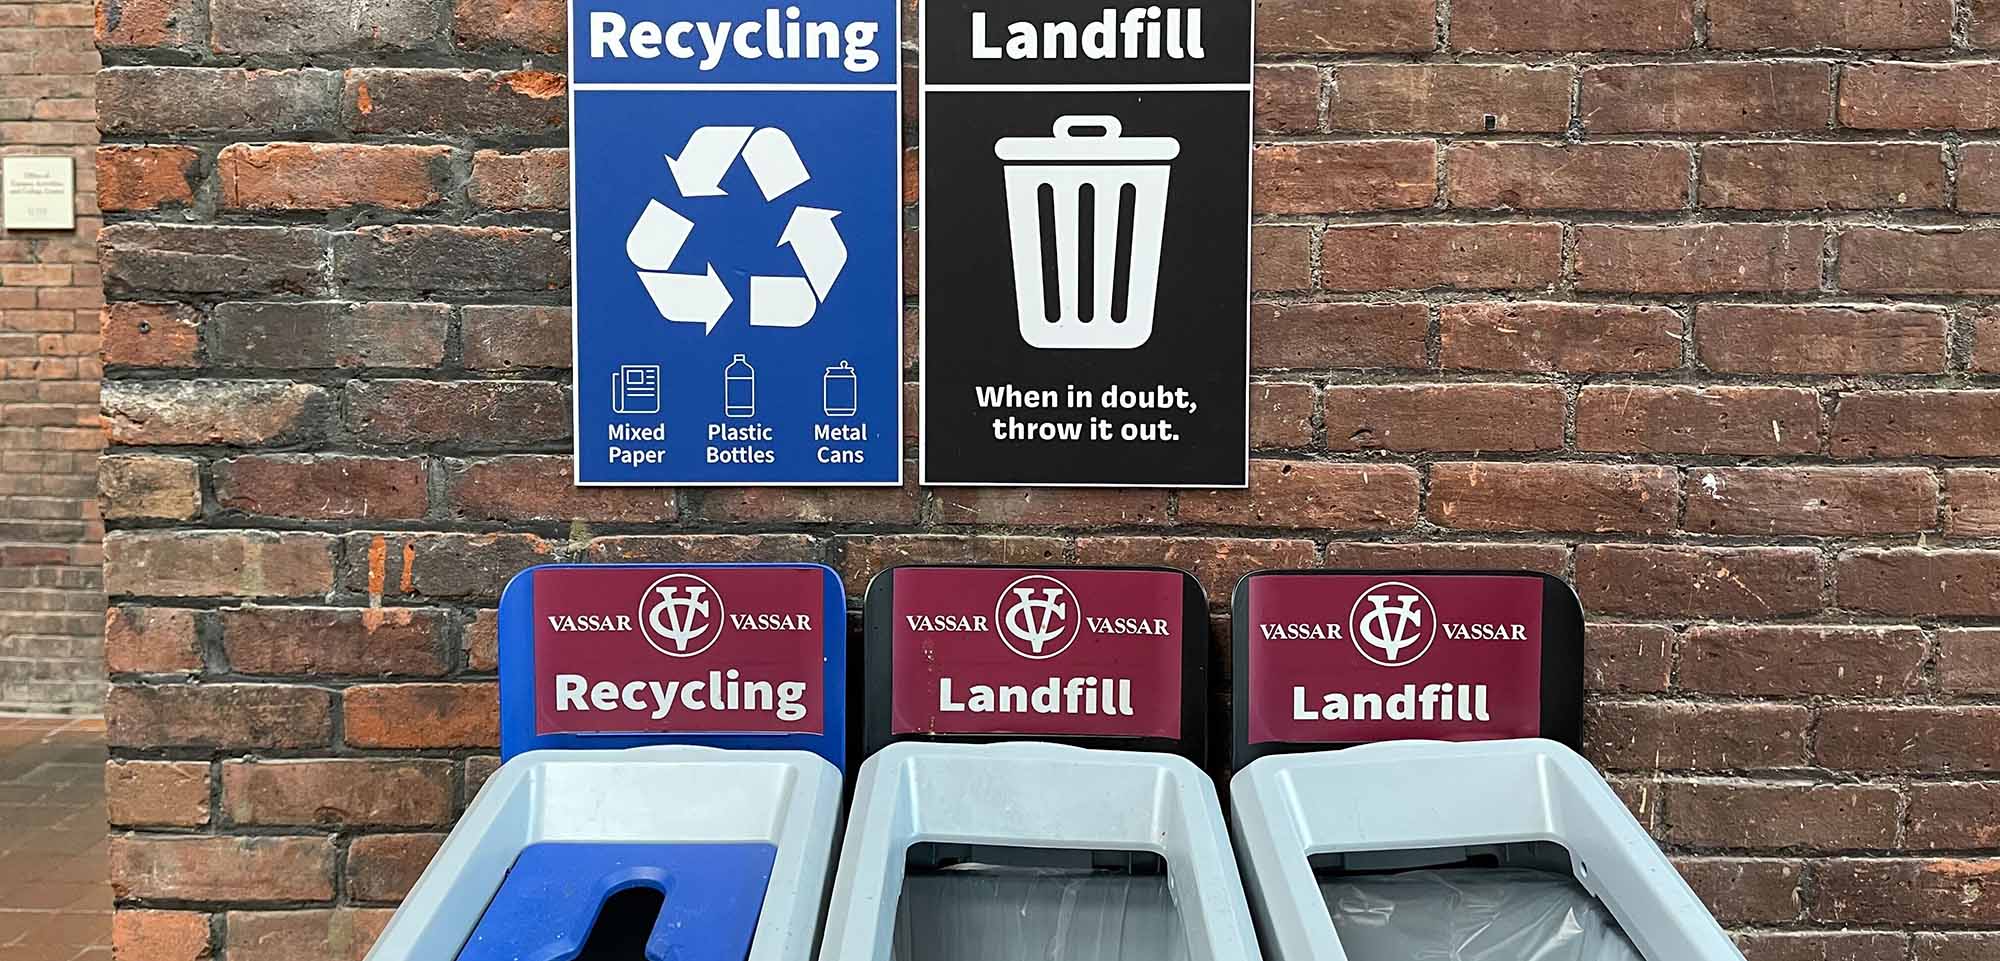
702 298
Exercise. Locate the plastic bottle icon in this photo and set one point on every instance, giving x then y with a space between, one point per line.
839 391
739 388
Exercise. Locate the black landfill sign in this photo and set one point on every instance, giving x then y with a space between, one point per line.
1086 243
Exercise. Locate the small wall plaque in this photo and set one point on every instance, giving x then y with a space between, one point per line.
39 193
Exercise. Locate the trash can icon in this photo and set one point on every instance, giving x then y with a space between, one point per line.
1085 215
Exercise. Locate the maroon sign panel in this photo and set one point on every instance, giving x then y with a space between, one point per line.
1038 652
662 650
1363 657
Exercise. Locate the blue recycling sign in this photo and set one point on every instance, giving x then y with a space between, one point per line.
736 208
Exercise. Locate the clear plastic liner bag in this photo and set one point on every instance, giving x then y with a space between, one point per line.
989 913
1504 914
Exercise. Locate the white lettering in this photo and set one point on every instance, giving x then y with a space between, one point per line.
569 692
1143 33
1432 702
785 37
1061 696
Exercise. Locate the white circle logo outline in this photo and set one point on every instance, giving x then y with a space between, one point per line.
1000 610
1354 625
714 630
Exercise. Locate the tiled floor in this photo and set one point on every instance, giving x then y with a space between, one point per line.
54 902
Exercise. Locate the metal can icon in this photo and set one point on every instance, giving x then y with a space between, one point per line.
839 391
739 388
1086 216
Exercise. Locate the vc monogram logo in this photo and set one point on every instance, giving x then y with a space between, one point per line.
1038 617
1392 624
681 615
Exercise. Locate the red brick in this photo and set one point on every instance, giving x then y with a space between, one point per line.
327 334
516 338
846 505
861 558
218 563
1953 816
1772 661
468 103
1450 98
337 793
529 180
1979 178
1044 507
1698 420
339 934
1930 740
1287 100
711 549
144 178
1746 96
1901 423
1906 891
1822 945
1831 502
322 487
482 642
1590 498
1969 660
1883 260
1722 582
1346 26
1217 562
538 26
222 868
449 566
1986 342
1281 258
1430 554
145 935
421 715
383 867
1448 417
1628 658
541 487
1958 945
474 413
150 335
1441 255
1746 890
156 793
1972 502
1536 176
1659 735
280 28
318 641
1822 817
229 261
1281 416
1338 335
1984 30
315 176
150 640
149 23
218 715
1822 176
1788 339
1698 258
1915 581
1571 25
142 486
1554 337
401 260
229 413
1306 494
1920 96
1346 176
1816 24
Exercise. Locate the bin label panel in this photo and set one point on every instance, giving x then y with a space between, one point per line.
665 650
1085 231
990 650
1358 658
737 215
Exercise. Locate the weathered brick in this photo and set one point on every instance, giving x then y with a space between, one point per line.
1281 258
541 487
337 793
1306 494
1915 581
318 641
1822 817
338 934
150 640
149 23
1746 890
712 549
1537 176
1555 337
1883 260
1986 341
471 103
471 413
1921 739
1421 256
1822 176
1281 415
1773 661
231 261
1823 945
482 642
1969 660
1954 816
1972 502
1698 420
1721 582
448 566
1958 945
229 869
322 176
1449 98
1217 562
1589 498
1698 258
1571 25
229 716
1901 423
1428 554
848 506
1287 99
292 28
861 558
1041 506
144 178
143 486
1345 176
537 26
1450 417
1797 339
421 715
383 867
1984 28
149 335
1338 335
1979 178
1906 891
1830 502
434 257
529 180
1816 24
1667 736
321 487
156 793
1920 96
1345 26
1628 658
217 563
159 935
1744 96
215 100
231 413
328 334
515 338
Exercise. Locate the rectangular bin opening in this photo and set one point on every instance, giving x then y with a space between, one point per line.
1494 902
963 902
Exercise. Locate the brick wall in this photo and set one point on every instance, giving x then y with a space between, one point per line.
1688 302
51 588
